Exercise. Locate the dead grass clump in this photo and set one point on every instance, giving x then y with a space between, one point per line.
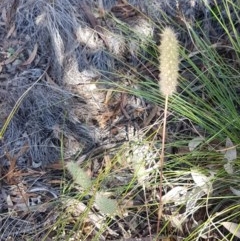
84 78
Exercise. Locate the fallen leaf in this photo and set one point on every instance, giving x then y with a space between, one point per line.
232 228
4 15
228 168
11 31
105 117
31 56
195 142
192 198
235 191
202 181
177 222
231 152
12 172
175 195
140 171
76 208
108 97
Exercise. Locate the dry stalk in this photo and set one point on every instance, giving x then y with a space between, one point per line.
168 67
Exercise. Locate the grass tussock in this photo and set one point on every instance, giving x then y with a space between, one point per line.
82 121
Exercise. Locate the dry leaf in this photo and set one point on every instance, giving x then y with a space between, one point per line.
228 168
4 15
232 228
141 173
108 96
76 208
175 195
32 55
235 191
177 222
202 181
11 31
195 142
231 152
192 198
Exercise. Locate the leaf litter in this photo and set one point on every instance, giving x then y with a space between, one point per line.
74 114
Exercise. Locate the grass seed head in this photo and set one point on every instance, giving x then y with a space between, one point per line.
168 61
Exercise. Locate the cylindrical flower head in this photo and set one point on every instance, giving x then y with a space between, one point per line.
168 61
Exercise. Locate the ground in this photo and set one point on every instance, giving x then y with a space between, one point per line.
82 121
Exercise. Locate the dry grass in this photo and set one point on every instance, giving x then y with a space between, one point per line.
86 78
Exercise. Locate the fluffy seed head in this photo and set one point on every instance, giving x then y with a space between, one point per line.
168 61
